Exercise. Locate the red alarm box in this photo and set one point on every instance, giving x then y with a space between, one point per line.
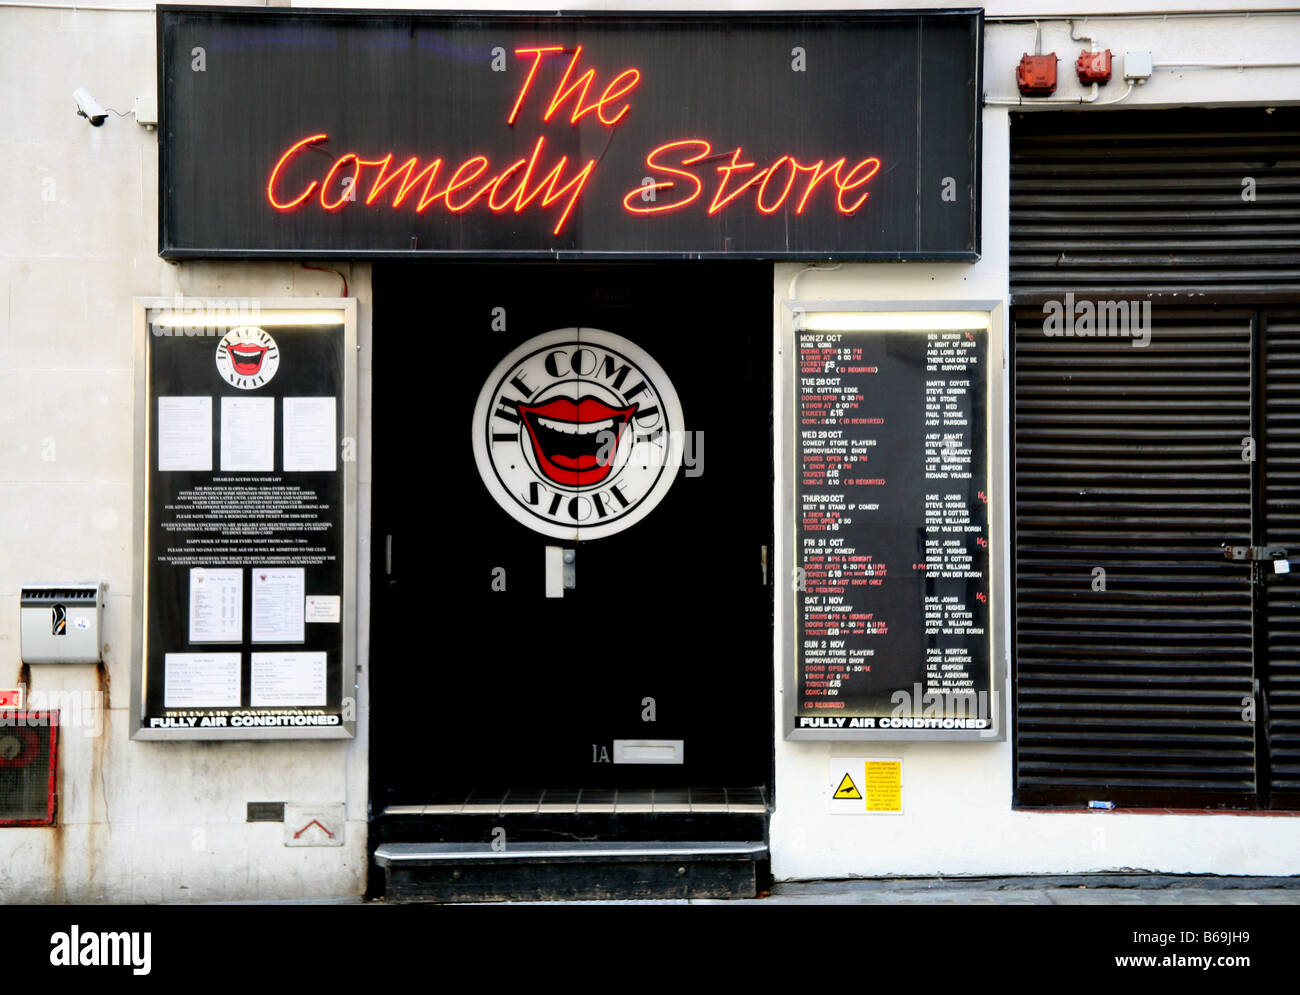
1093 67
1036 75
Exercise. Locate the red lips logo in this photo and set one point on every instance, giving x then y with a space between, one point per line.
246 358
575 442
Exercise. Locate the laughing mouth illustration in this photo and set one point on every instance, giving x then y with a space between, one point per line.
575 442
246 359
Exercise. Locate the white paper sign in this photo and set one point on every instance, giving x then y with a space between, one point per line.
216 605
288 679
201 680
184 433
323 608
248 434
278 594
309 437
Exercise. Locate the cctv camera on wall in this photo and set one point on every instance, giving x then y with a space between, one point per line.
88 108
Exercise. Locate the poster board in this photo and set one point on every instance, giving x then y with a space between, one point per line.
890 523
245 525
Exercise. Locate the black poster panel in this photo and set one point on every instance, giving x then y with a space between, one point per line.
891 535
246 605
637 136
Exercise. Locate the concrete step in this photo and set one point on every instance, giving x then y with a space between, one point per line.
476 872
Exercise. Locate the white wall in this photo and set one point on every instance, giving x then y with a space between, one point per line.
138 822
957 809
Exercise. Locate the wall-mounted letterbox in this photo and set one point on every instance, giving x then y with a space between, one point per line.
61 623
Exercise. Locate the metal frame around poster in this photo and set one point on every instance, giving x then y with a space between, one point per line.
209 313
791 316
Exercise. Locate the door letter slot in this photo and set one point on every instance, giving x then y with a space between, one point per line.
649 751
561 571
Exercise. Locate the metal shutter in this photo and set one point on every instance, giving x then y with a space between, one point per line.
1145 203
1130 459
1281 513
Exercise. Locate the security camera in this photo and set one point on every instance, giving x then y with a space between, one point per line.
88 108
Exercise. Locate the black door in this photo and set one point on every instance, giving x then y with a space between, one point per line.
479 680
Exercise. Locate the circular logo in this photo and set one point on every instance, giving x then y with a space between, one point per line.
578 434
247 357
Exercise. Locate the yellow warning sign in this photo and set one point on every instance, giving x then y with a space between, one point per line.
847 789
884 784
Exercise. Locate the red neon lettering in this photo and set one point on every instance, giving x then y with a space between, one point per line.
505 173
329 180
633 78
671 158
818 174
562 92
857 177
726 172
537 54
566 89
552 195
429 174
382 180
288 154
650 160
518 195
771 171
546 187
456 182
848 183
429 196
576 90
552 188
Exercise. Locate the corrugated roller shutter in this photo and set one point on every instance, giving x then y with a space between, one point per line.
1281 505
1129 460
1155 202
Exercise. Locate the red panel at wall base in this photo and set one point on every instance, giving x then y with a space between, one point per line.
28 766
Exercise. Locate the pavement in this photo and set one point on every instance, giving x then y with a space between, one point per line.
1090 889
1080 889
1083 889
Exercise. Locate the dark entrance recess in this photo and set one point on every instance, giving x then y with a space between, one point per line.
482 699
1171 678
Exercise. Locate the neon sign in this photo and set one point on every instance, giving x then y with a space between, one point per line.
558 184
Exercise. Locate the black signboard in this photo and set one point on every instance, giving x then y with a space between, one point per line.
368 135
890 578
247 472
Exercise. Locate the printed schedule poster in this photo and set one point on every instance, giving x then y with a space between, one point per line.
246 504
216 605
891 533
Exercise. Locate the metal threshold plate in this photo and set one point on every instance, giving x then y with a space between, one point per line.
390 854
587 801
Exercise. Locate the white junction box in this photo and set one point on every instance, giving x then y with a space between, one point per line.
1137 66
61 622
